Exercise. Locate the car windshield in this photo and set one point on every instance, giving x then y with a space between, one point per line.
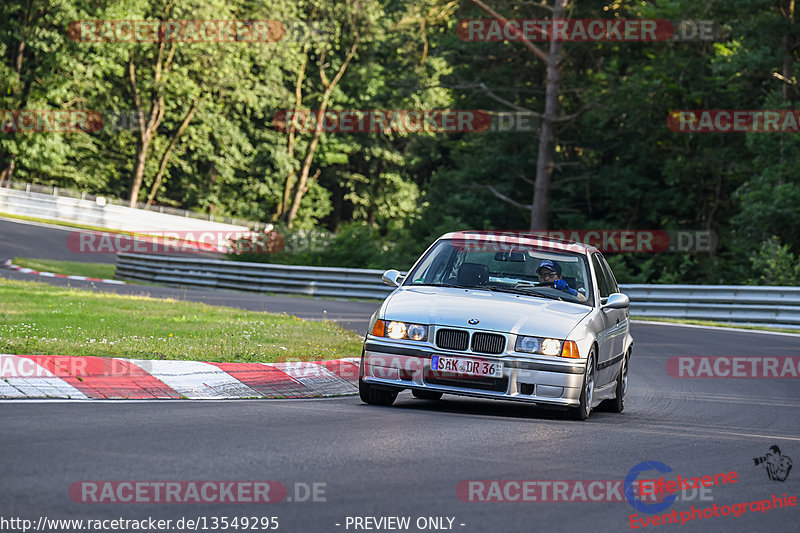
513 269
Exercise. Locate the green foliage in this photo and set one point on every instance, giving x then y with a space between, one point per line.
774 264
378 199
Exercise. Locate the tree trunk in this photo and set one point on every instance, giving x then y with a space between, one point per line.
789 89
8 172
544 161
165 158
336 216
147 131
292 129
302 184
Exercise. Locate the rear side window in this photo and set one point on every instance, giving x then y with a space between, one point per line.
604 284
612 282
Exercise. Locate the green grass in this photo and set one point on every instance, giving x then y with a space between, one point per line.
36 318
716 324
70 268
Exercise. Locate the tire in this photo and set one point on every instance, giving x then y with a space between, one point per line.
584 409
426 394
375 396
618 404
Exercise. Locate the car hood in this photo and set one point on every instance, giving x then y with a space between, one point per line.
495 311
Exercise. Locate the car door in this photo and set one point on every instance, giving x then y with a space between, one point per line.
605 337
617 319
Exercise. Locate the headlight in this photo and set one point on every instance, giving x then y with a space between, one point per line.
528 344
551 347
400 330
545 346
396 330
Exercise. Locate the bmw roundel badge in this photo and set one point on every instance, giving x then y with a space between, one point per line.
473 321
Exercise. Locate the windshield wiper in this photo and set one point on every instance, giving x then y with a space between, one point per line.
529 289
517 290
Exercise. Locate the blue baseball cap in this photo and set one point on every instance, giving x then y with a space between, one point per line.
552 265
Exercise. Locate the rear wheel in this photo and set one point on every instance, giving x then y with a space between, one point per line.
587 392
426 394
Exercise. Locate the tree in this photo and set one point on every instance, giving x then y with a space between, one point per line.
553 59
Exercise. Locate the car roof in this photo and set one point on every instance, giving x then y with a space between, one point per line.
522 239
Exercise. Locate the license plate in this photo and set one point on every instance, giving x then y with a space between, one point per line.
467 367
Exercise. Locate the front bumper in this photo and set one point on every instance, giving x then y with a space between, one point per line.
532 380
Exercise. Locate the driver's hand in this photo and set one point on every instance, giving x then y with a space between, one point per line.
562 285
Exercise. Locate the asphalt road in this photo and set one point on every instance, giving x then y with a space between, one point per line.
43 241
407 460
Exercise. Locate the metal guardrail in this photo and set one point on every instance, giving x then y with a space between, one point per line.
103 215
257 277
725 303
60 192
719 303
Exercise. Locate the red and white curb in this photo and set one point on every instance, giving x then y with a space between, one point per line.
84 377
11 266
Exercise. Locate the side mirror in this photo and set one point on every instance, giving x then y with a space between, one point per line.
391 278
617 300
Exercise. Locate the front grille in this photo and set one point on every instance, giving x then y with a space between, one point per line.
452 339
488 343
490 384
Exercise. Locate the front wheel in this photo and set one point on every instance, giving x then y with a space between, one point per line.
587 392
371 394
375 396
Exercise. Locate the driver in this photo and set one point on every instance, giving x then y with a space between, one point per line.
550 272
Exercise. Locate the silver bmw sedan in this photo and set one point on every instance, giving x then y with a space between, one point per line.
510 317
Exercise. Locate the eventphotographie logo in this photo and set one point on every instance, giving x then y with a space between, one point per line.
776 464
